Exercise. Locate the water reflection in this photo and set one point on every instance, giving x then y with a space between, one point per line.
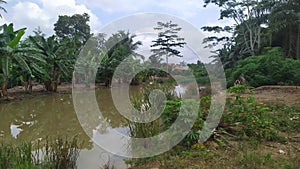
54 116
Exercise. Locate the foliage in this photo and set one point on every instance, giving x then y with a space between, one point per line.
284 23
268 69
1 8
116 48
44 154
57 56
286 118
248 16
167 41
199 72
9 39
35 63
247 117
173 105
73 27
258 24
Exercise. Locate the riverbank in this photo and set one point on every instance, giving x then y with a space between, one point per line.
222 151
18 93
289 95
246 143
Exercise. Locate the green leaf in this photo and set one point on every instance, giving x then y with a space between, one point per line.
23 64
6 61
17 38
39 69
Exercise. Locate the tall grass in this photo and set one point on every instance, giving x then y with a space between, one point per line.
142 102
57 154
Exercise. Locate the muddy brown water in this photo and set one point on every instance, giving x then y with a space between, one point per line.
53 116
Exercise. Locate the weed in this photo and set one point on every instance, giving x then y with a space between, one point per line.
59 154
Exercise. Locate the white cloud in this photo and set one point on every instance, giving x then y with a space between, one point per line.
44 13
112 6
187 8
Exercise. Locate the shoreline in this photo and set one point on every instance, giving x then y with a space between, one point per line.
18 93
289 95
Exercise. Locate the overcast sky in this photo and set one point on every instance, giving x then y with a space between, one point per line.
44 13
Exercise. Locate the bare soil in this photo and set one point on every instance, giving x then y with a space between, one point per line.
288 95
18 93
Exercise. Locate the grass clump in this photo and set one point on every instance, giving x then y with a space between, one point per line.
57 154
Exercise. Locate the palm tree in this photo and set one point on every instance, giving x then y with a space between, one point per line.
2 8
117 48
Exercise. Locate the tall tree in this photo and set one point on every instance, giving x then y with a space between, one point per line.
284 24
168 41
75 27
248 15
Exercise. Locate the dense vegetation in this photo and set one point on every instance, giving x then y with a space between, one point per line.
270 68
245 127
259 36
259 27
264 49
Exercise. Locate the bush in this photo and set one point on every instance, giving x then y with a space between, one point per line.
271 68
247 117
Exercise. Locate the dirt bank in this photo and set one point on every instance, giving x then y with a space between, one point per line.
289 95
18 93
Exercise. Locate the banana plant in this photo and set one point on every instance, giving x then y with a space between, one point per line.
9 39
34 60
58 59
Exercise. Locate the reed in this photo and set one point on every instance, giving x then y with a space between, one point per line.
58 154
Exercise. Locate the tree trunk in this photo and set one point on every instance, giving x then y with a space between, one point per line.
30 85
298 44
251 43
108 83
4 87
290 48
259 40
167 60
50 85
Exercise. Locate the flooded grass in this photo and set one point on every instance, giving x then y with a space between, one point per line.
57 154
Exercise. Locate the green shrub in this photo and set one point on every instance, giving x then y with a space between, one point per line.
271 68
247 116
